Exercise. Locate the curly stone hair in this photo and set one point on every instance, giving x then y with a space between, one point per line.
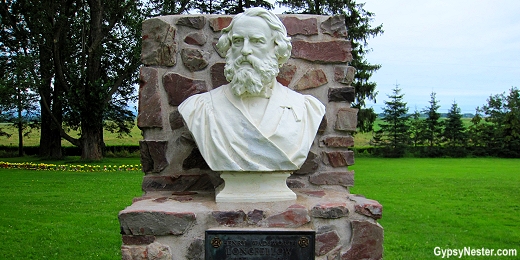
282 41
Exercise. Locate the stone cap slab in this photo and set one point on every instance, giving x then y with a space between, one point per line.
164 213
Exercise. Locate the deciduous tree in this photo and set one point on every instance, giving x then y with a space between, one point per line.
502 113
17 97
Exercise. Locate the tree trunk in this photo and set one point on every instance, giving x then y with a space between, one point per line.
50 139
20 132
93 106
91 142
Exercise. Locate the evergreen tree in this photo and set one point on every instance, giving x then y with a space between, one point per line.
455 132
393 136
416 129
228 6
477 133
433 126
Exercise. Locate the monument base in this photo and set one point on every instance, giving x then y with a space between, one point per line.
254 187
162 225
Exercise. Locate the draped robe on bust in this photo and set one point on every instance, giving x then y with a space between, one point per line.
229 140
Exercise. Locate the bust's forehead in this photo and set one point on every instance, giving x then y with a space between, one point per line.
250 25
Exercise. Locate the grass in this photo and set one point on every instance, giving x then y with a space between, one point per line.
450 203
63 215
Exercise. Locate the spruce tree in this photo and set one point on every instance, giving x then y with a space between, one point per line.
393 136
477 133
416 129
433 127
455 132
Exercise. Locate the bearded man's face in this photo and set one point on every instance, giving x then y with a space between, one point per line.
251 64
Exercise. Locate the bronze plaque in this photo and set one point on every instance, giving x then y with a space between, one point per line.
259 245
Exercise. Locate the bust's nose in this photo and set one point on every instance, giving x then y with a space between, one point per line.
246 48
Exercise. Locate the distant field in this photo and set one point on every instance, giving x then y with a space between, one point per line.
361 139
34 137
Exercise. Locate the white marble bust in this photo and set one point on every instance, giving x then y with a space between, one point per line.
253 124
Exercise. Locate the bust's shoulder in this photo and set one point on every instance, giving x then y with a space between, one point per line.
289 93
217 92
204 97
297 96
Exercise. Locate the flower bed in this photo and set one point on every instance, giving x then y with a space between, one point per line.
69 167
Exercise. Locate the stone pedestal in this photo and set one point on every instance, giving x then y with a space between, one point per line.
165 226
254 187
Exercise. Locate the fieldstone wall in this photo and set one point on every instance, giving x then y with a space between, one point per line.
172 226
169 220
180 60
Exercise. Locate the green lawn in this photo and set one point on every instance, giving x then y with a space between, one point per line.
63 215
450 203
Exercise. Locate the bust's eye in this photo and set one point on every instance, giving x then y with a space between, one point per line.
258 40
237 40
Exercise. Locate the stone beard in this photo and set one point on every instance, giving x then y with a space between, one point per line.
250 80
254 123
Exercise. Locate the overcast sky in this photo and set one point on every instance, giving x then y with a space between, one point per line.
463 50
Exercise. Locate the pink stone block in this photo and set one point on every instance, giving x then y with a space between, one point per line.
337 141
313 78
149 99
295 216
286 74
339 158
229 218
330 210
333 178
179 87
296 26
325 242
367 207
219 23
367 241
337 51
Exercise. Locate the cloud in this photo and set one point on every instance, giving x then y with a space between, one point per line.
464 50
